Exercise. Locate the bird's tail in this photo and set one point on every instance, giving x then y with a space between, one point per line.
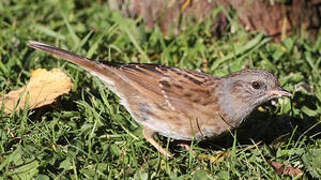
89 65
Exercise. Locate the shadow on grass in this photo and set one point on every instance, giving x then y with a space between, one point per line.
270 128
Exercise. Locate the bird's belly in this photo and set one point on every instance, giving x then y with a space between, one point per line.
180 126
185 134
163 128
185 130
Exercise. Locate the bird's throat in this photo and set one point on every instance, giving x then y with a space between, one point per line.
235 110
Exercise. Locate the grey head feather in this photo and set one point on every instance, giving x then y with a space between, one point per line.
242 91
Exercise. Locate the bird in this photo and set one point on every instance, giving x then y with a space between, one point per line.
179 103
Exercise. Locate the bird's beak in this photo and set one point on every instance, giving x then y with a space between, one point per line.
279 93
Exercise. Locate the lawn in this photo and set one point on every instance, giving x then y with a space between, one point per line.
87 134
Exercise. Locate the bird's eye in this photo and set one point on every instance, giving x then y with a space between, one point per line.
256 85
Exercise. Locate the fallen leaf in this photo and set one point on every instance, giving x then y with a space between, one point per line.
213 159
288 170
220 155
261 109
42 89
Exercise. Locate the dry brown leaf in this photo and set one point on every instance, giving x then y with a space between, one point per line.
42 89
289 170
220 155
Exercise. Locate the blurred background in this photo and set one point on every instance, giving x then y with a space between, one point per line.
88 135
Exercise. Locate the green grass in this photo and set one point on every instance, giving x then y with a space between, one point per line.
88 135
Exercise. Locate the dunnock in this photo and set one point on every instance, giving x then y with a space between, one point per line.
178 103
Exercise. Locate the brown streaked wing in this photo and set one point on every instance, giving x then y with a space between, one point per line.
143 77
178 88
187 87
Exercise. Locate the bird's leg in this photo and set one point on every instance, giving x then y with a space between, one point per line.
185 144
148 135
